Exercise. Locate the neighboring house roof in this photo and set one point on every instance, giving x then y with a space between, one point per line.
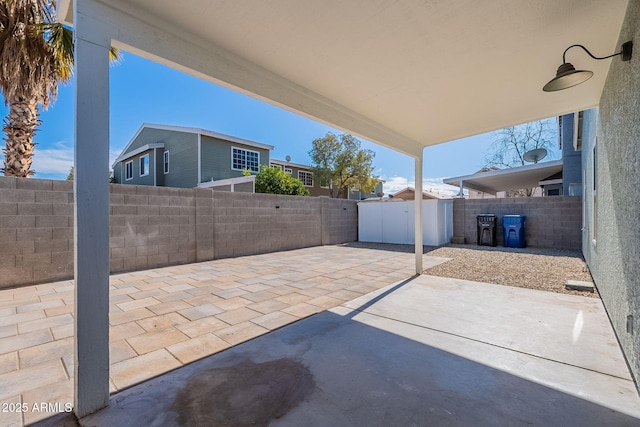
196 131
492 181
426 195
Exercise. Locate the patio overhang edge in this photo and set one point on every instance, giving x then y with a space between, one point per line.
202 59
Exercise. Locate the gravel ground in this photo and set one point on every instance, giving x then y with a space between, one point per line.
532 268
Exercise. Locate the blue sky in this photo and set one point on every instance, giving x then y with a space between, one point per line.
143 91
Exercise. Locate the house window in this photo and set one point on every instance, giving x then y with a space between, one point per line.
128 170
288 170
245 159
306 178
144 165
273 165
166 162
326 184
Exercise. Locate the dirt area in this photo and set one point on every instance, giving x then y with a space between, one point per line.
532 268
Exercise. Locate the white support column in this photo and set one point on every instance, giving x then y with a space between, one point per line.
91 213
418 212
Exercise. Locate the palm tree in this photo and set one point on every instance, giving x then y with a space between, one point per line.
36 53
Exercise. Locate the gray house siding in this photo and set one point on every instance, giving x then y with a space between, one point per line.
571 158
183 159
611 243
137 179
216 158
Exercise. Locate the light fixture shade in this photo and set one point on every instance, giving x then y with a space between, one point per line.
566 77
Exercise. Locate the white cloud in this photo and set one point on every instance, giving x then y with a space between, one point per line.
55 160
434 185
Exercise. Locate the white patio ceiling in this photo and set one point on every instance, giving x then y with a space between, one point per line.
405 74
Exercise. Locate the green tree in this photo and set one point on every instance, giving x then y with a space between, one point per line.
36 53
273 180
340 162
70 175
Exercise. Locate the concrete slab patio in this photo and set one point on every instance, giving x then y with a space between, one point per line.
427 351
164 318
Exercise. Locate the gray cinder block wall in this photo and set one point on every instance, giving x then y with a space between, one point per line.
158 226
552 222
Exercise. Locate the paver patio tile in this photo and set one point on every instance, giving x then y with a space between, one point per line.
17 382
241 332
260 296
168 307
123 291
151 341
238 315
47 322
293 298
177 288
155 284
313 292
116 299
11 418
59 394
202 290
302 310
202 326
22 317
8 362
283 289
203 300
40 305
325 302
56 311
200 311
148 293
173 297
120 350
125 330
30 339
7 311
233 303
197 348
9 301
132 305
344 295
274 320
44 353
128 316
164 321
268 306
362 288
230 293
137 369
8 330
64 331
256 287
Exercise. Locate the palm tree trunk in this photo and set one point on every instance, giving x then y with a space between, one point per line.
20 128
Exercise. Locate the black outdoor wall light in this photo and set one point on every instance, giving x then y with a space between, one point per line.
567 76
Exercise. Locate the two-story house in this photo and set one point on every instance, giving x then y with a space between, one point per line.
175 156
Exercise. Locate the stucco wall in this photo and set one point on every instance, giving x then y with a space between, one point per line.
612 241
156 226
552 222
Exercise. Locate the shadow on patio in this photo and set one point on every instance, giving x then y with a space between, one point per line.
360 364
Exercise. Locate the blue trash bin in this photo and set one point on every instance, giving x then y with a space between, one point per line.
514 231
